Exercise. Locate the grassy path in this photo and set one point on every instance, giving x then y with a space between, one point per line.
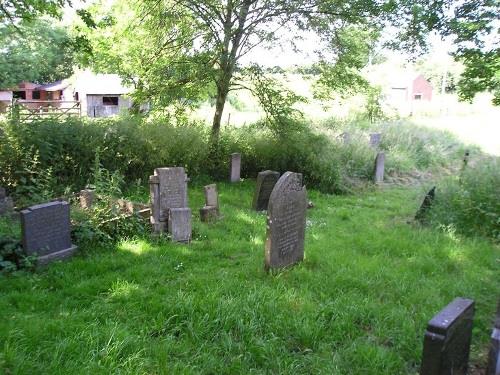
358 304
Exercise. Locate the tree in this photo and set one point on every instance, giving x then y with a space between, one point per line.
11 11
41 53
191 46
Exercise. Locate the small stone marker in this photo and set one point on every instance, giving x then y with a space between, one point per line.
265 184
179 224
6 203
168 189
447 340
494 356
87 198
346 138
46 231
210 212
235 167
375 139
426 205
286 222
378 170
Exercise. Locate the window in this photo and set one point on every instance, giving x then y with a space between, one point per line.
417 96
19 94
36 95
110 100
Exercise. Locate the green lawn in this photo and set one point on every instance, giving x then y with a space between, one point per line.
358 304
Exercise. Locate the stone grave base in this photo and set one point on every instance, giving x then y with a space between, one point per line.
58 255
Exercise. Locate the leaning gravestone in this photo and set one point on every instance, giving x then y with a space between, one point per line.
447 340
265 184
46 231
375 139
179 224
235 167
378 169
426 205
168 189
286 222
494 356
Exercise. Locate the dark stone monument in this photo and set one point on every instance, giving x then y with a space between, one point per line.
494 356
447 340
87 198
286 222
378 169
168 189
235 167
46 231
375 139
426 205
265 184
179 224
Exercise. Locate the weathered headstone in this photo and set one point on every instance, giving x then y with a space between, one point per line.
179 224
286 222
426 205
378 169
265 184
375 139
211 195
209 214
447 340
87 198
46 231
6 203
235 167
346 138
168 189
494 356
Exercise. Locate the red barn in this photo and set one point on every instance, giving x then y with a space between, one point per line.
412 88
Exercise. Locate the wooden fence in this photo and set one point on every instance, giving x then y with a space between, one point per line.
29 110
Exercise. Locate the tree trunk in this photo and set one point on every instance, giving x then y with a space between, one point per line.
222 92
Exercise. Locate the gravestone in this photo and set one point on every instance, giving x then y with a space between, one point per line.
286 222
375 139
46 231
447 340
87 198
426 205
494 356
6 203
168 189
179 224
235 167
466 158
346 138
211 196
265 184
378 169
210 212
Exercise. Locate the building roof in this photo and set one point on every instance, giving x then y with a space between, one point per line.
54 86
90 83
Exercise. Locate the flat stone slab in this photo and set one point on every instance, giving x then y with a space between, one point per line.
286 222
266 181
447 340
179 224
46 231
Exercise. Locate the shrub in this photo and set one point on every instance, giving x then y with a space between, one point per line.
470 203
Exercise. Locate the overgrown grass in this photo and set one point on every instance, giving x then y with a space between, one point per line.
358 304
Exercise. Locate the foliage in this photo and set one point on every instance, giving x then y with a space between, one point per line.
12 256
42 53
469 203
358 304
11 11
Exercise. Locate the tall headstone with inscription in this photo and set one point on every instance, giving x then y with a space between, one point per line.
286 222
494 356
265 184
447 340
375 139
168 189
378 168
46 231
235 168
